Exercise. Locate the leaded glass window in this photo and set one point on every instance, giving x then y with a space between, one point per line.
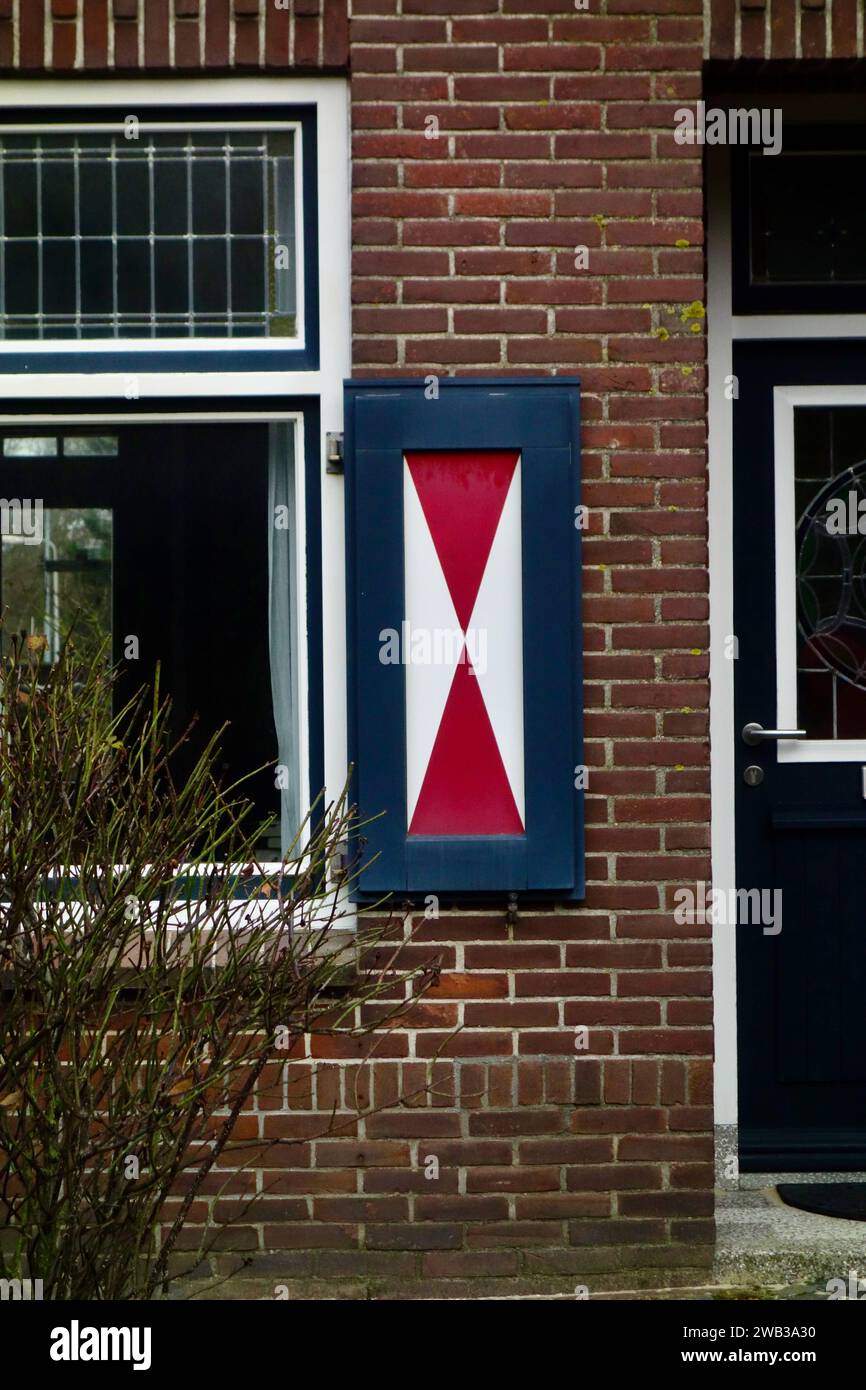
147 234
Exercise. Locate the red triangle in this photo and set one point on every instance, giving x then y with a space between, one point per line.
466 790
462 496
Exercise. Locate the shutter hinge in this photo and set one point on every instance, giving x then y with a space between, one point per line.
334 453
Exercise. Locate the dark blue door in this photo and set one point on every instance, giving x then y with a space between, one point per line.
800 624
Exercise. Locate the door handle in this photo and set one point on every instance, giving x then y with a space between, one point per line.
754 734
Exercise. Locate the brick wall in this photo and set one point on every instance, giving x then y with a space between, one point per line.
552 132
555 132
184 35
786 29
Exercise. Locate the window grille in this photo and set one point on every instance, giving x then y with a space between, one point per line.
170 234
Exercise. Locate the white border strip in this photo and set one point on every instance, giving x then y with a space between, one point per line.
133 386
721 564
785 401
167 91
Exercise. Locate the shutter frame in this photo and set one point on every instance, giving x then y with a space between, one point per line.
539 418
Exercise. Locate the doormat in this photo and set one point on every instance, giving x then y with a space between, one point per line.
844 1199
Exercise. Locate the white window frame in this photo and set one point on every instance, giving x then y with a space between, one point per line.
808 750
264 387
207 344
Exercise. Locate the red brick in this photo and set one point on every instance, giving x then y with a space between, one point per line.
63 47
752 34
216 33
844 40
783 22
335 41
32 39
414 1237
247 41
186 45
126 46
156 28
813 34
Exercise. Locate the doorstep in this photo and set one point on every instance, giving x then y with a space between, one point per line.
761 1240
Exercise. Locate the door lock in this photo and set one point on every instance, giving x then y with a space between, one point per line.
753 776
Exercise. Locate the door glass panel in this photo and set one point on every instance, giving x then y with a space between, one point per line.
830 481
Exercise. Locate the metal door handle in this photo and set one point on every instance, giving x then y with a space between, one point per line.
755 733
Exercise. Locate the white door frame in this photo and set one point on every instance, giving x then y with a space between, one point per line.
724 329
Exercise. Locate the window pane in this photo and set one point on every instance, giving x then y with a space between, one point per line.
97 271
209 278
62 584
830 476
90 446
247 213
21 279
33 446
107 237
58 279
58 199
209 196
808 218
134 535
133 199
170 197
95 197
248 275
133 277
171 276
19 199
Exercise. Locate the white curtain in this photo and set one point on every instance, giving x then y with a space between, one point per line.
282 621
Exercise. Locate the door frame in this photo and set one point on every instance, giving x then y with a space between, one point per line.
723 330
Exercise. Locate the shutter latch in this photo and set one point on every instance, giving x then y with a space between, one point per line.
334 453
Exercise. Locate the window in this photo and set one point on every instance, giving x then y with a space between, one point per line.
174 332
800 224
147 234
831 614
155 546
167 228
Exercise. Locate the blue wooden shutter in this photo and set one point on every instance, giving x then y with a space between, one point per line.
465 727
